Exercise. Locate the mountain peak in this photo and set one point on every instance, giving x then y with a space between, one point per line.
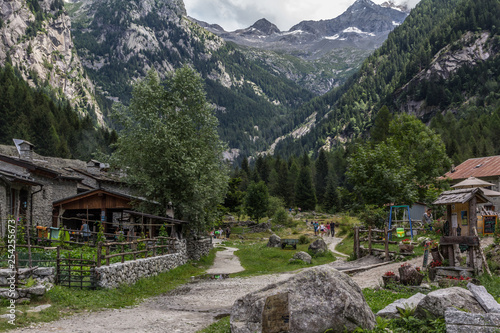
266 27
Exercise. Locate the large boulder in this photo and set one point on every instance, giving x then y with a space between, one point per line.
301 255
318 246
313 301
436 302
391 311
274 241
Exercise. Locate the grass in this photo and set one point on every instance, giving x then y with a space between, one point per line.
66 301
258 259
221 326
379 299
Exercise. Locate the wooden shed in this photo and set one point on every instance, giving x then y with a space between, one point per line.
461 215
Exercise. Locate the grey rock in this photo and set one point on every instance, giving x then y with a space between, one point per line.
313 301
391 311
436 302
459 321
36 290
301 255
484 298
274 241
40 308
318 246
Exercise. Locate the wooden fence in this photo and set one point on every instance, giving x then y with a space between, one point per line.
150 245
370 239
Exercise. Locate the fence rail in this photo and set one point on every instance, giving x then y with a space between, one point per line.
386 233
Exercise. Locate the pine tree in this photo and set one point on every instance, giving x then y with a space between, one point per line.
321 175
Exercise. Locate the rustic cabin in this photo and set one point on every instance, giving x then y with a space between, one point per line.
461 227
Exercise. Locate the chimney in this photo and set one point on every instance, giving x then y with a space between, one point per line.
452 168
25 149
94 167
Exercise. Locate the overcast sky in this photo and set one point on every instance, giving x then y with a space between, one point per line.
238 14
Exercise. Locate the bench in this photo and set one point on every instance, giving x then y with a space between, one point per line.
292 242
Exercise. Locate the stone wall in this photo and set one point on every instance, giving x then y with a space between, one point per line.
130 272
198 248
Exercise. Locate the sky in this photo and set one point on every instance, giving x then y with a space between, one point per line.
239 14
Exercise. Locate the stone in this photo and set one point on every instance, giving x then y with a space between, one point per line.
391 311
436 302
484 298
44 271
313 301
274 241
318 246
38 290
301 255
459 321
39 308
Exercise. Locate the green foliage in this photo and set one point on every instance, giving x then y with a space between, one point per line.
281 217
171 148
221 326
373 216
274 206
399 169
257 200
303 239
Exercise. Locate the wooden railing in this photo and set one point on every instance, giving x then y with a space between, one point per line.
167 244
385 240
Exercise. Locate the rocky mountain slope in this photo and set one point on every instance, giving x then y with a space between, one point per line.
36 37
318 55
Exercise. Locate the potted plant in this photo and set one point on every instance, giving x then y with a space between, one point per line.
433 268
406 246
410 275
434 247
389 278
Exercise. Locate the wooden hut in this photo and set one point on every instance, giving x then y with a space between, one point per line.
461 216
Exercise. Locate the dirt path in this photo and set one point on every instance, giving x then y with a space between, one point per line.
196 305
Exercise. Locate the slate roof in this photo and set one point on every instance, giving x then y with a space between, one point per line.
476 167
460 196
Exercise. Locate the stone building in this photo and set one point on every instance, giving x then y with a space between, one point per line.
30 183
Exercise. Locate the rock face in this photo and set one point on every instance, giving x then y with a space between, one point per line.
274 241
313 301
391 310
437 301
47 53
318 246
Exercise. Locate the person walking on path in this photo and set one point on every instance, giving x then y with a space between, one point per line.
332 229
315 225
228 232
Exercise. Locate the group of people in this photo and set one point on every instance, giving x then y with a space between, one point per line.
323 229
219 233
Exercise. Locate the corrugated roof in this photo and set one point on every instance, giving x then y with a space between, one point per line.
476 167
460 196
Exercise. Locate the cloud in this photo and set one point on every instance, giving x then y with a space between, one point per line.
238 14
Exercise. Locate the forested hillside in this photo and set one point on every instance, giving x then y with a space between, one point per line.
52 126
121 40
407 74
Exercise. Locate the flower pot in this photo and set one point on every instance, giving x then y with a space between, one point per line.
436 255
410 276
406 248
390 279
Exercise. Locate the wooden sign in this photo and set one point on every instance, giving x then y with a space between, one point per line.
490 222
276 316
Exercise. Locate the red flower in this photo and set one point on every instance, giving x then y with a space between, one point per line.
389 273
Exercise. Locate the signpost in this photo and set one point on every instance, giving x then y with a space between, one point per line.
490 222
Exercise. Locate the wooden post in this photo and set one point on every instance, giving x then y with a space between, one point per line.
98 255
107 254
356 242
123 254
58 268
69 270
472 216
369 240
485 263
16 264
386 237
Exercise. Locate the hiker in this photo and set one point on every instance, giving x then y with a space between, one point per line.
332 228
228 232
315 225
322 229
221 232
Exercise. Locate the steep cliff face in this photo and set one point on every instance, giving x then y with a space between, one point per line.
469 51
36 36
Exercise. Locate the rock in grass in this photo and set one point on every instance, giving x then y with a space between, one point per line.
436 302
313 301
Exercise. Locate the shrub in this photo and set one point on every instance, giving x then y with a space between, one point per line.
275 205
303 239
281 217
373 216
346 225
